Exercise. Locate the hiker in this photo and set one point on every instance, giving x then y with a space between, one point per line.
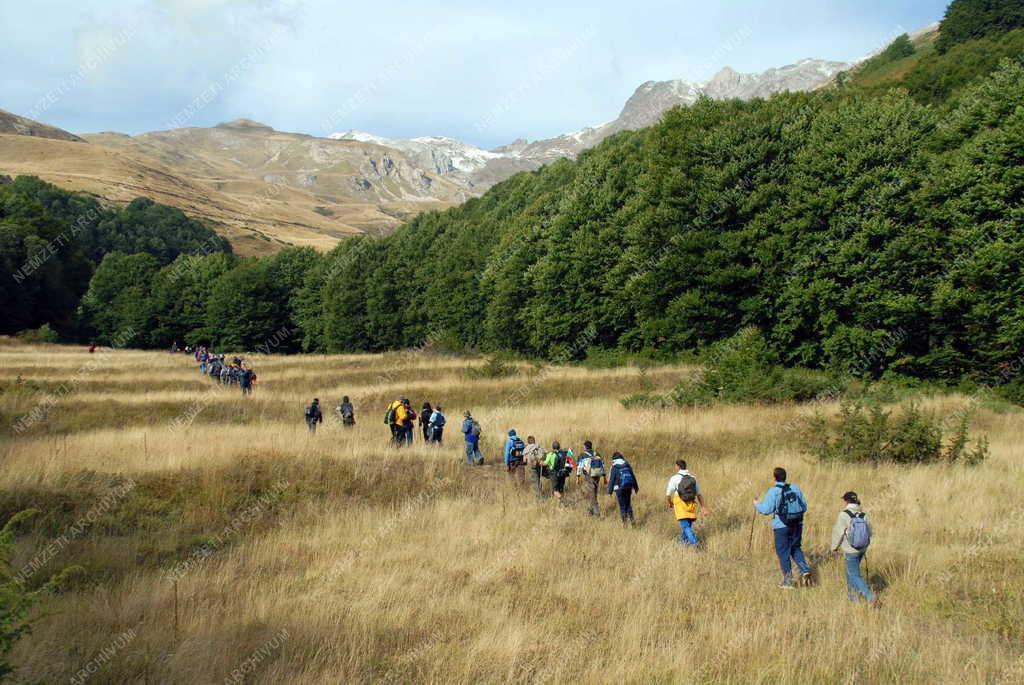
514 448
785 503
622 483
683 496
346 412
471 429
851 535
314 415
409 424
534 455
589 473
425 413
245 381
560 464
436 425
92 347
225 373
394 418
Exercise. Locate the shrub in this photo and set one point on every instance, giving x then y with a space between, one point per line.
494 367
869 433
743 368
43 334
15 598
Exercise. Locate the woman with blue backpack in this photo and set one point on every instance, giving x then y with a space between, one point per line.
851 535
622 483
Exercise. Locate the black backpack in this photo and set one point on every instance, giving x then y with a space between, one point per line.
558 470
687 488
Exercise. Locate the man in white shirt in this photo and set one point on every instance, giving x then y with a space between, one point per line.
683 495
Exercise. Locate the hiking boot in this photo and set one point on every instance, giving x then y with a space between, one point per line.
806 579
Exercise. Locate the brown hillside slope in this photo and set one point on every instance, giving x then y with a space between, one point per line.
12 123
261 189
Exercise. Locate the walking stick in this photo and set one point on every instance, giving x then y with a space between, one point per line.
750 540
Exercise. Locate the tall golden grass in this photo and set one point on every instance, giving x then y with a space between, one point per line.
247 550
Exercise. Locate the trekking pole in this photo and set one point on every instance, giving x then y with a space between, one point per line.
750 540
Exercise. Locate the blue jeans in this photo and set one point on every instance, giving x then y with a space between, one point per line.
787 546
473 453
625 496
686 535
408 430
855 584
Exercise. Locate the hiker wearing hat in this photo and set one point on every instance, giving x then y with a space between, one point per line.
314 415
589 473
851 535
786 504
683 495
513 455
471 429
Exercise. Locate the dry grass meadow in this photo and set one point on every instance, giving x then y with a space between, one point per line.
219 542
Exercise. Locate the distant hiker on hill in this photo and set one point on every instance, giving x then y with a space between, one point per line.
513 456
245 378
533 455
851 535
786 505
436 425
683 496
395 418
622 483
589 473
409 423
471 429
314 415
92 347
346 412
425 412
560 464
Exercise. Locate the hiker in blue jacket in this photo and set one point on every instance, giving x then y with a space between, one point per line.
622 482
471 429
786 504
513 456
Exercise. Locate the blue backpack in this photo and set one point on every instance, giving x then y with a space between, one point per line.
791 508
626 477
438 418
858 534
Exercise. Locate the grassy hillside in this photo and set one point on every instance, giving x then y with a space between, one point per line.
221 541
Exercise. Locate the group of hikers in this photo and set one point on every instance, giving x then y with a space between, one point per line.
401 419
345 412
784 502
235 373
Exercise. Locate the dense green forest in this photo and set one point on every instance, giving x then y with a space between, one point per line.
52 239
861 228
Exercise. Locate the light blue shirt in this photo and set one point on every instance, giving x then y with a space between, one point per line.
769 504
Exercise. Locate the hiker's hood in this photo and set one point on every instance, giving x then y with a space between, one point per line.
855 508
618 460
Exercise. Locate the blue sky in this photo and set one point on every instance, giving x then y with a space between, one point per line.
483 72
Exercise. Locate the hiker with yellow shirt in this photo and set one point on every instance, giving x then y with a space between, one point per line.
396 418
683 496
